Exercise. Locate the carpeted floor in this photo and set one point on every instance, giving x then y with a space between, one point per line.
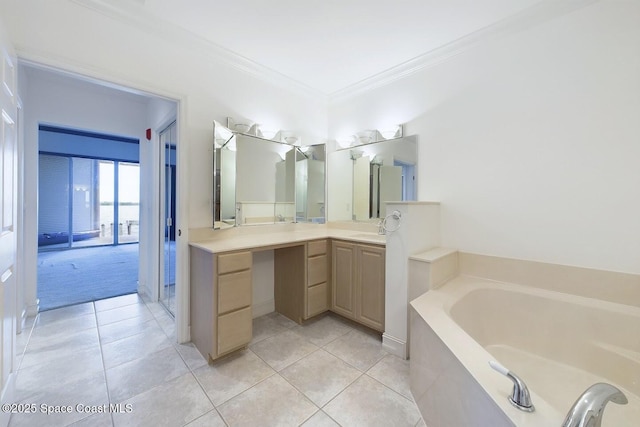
88 274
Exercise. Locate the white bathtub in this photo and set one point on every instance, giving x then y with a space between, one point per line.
559 344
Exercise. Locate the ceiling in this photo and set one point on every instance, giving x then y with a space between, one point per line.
330 45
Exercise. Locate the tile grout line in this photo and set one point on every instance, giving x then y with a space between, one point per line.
104 368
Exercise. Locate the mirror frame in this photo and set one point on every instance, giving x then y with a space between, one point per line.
222 137
356 152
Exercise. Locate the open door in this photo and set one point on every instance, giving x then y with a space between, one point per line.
8 216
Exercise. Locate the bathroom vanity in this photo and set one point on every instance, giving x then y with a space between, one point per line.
316 269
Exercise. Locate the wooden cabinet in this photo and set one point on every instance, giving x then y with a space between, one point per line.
221 294
301 276
358 284
317 286
309 279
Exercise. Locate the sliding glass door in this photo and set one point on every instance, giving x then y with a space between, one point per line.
128 202
87 202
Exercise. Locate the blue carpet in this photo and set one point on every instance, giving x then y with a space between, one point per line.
88 274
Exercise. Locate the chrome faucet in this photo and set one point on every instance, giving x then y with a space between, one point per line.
520 397
587 410
381 230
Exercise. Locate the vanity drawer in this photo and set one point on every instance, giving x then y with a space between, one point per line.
234 330
317 299
234 291
316 270
317 247
228 263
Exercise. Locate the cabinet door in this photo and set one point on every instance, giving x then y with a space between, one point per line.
370 289
343 298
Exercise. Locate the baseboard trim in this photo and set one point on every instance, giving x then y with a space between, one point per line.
395 345
34 309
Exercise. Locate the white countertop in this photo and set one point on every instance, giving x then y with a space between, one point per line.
266 236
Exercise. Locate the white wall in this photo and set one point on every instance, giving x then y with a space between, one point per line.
143 58
530 140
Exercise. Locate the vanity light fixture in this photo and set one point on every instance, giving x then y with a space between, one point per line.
267 133
258 130
391 132
369 136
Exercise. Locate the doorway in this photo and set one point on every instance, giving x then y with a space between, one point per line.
167 283
88 216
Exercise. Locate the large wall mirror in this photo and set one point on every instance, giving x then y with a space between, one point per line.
361 179
261 181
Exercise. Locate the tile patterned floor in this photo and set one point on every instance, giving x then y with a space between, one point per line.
328 372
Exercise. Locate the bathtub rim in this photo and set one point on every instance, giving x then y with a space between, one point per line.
434 307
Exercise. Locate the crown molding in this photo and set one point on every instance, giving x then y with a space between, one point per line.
534 15
133 14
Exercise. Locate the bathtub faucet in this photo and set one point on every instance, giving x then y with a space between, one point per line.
520 397
588 409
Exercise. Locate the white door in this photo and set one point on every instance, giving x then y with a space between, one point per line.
8 205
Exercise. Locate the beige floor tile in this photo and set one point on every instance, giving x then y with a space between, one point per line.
59 345
190 355
95 420
121 301
122 313
63 328
174 403
368 403
168 325
269 325
320 376
68 325
210 419
273 402
320 419
421 423
65 313
393 372
323 330
358 348
232 375
134 347
90 390
59 371
283 349
125 328
135 377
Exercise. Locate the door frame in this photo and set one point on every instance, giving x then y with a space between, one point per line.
29 239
